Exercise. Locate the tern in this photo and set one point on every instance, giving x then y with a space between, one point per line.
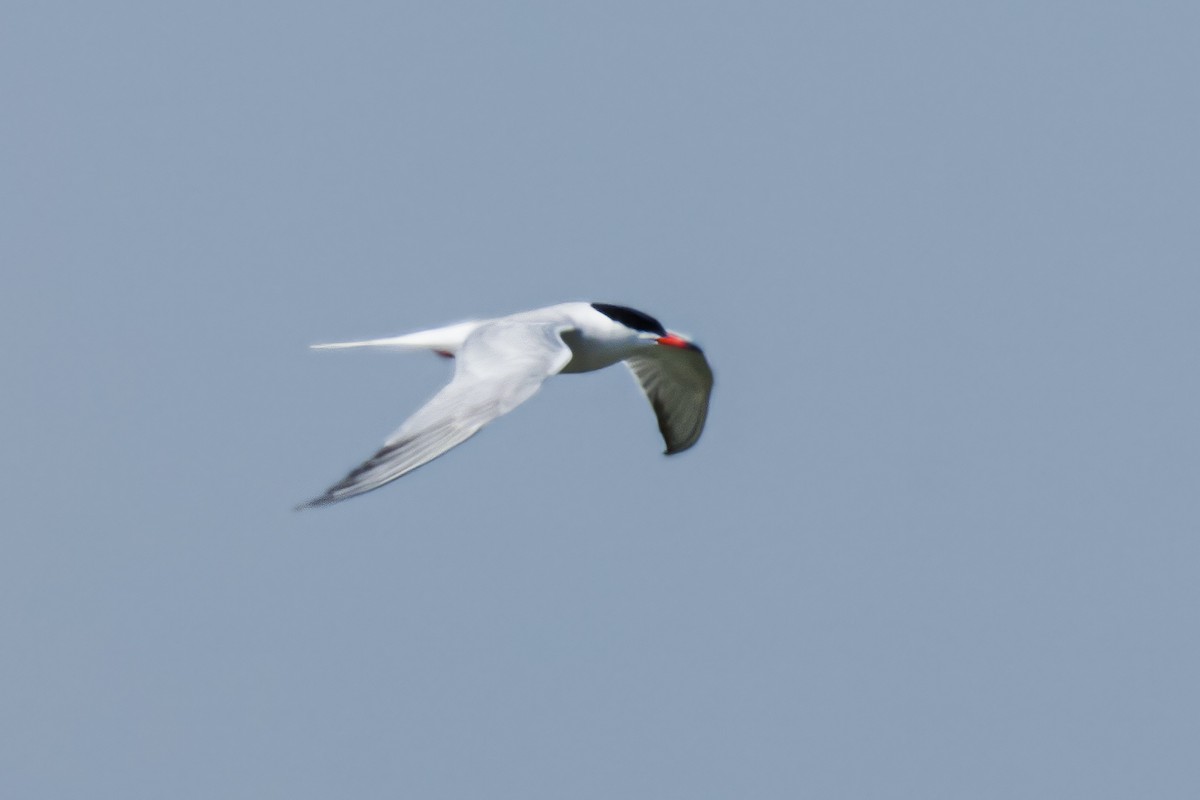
500 363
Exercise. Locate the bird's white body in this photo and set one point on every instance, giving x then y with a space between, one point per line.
502 362
596 341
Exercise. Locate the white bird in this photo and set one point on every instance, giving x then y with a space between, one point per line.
500 363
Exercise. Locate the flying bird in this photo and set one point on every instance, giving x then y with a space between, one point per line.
500 363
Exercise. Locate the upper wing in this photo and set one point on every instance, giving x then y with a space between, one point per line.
677 382
500 365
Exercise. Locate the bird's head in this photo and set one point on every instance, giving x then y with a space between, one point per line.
647 328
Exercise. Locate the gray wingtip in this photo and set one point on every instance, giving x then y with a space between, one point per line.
316 502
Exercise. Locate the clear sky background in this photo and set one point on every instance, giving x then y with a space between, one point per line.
941 538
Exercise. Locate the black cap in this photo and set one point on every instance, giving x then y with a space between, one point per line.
631 318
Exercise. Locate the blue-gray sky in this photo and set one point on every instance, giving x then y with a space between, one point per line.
940 539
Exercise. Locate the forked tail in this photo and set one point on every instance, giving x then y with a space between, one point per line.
444 341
